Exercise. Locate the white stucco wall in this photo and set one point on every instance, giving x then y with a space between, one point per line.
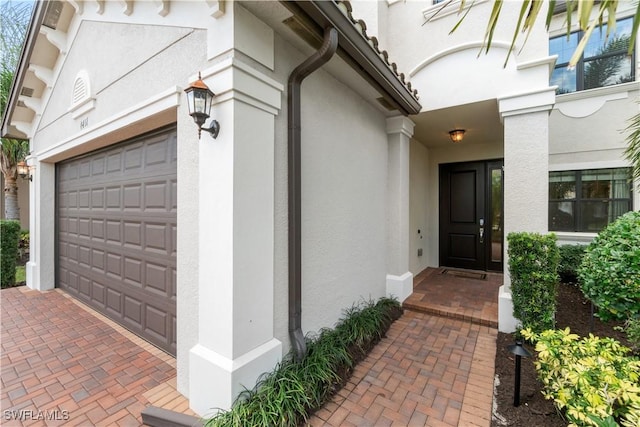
344 161
588 129
412 41
418 207
161 58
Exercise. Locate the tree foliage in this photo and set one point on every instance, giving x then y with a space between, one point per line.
590 14
14 20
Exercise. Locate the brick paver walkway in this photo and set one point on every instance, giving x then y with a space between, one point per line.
66 363
428 371
456 296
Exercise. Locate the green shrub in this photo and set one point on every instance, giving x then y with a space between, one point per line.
533 264
592 379
610 270
23 244
632 329
294 389
9 236
570 260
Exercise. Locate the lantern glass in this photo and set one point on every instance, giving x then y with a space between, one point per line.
22 168
456 135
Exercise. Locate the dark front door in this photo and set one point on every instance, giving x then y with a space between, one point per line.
471 215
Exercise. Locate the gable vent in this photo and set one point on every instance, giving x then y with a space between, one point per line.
81 99
80 92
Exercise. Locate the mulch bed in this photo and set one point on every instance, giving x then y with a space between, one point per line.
572 310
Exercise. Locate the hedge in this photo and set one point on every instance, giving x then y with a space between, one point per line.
9 238
570 260
610 270
533 265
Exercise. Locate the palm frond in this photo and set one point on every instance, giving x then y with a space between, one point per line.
632 153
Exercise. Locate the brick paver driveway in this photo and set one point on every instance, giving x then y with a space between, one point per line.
63 364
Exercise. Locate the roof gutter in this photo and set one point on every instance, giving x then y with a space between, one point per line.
357 51
315 61
37 17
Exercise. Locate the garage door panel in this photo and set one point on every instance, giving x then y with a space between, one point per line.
114 302
133 271
133 158
84 256
114 163
98 260
133 197
83 199
97 166
113 231
83 227
98 293
174 290
113 198
132 234
156 195
158 279
157 153
84 170
117 231
97 229
157 236
84 287
97 198
133 311
156 321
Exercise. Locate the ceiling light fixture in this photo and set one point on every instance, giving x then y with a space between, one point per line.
456 135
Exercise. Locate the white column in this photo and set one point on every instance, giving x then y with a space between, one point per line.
40 269
399 278
526 175
236 341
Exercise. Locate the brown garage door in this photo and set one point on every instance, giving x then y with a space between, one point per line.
116 216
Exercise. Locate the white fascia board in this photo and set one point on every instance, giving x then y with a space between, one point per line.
152 106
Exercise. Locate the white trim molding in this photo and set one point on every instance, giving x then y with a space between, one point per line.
454 49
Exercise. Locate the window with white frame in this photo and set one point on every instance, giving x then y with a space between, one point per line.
604 62
588 200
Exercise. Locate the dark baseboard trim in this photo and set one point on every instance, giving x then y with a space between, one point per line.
153 416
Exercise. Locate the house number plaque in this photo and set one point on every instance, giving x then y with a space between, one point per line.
84 123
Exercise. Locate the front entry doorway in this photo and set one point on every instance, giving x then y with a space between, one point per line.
471 215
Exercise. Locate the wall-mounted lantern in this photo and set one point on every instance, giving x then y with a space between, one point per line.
24 170
199 100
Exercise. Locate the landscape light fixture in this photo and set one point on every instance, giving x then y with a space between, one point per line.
24 170
456 135
519 352
199 100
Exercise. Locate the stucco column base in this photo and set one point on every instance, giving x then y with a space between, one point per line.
31 271
400 286
215 380
506 322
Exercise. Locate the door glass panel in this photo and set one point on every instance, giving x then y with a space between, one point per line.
496 215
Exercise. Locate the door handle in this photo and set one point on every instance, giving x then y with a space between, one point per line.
481 230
